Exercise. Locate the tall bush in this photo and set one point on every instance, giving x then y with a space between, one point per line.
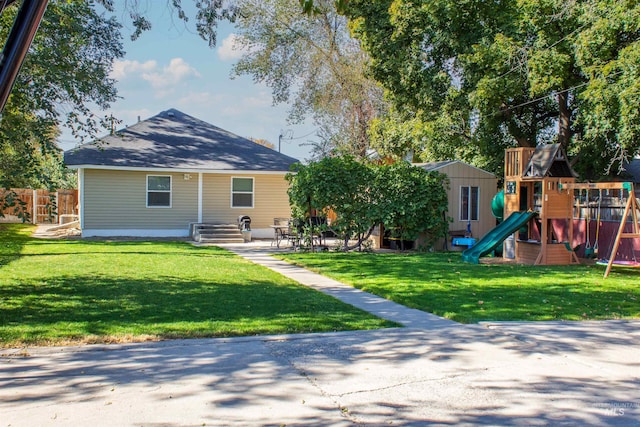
408 200
413 202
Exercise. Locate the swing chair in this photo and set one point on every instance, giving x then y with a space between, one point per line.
592 251
629 263
588 250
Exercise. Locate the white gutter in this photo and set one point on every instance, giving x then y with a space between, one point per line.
178 170
200 179
81 197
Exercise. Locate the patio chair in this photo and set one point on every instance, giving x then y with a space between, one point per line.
294 231
280 230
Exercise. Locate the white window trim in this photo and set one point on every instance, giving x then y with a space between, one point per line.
159 191
253 186
468 190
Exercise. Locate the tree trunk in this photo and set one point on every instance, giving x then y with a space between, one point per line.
564 119
310 225
361 239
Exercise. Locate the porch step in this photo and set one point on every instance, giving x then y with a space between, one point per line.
220 240
222 235
216 233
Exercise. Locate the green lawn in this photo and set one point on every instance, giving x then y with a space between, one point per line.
60 292
442 284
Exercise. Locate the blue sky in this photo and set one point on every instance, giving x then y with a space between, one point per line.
172 67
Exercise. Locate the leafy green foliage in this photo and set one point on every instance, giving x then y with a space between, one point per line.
65 73
484 76
309 6
311 61
408 200
412 202
340 184
442 284
56 292
207 15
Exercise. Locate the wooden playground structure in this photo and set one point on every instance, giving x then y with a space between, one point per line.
541 180
533 178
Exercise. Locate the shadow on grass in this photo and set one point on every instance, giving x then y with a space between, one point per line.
40 247
167 307
442 284
514 384
13 238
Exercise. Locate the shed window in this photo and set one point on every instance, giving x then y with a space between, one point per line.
158 191
241 192
469 203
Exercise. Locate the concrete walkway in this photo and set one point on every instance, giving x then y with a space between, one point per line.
365 301
433 372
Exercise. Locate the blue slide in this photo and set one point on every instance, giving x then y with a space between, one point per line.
496 236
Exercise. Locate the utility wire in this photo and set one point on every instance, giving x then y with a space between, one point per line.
303 136
532 101
519 66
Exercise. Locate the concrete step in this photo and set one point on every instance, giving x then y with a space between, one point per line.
225 235
216 233
220 241
202 229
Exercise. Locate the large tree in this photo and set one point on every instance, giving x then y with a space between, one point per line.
481 76
407 199
311 61
339 184
64 76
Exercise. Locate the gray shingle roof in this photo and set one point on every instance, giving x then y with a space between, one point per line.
549 160
632 170
174 140
432 166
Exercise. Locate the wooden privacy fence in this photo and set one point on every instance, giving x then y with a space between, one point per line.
40 206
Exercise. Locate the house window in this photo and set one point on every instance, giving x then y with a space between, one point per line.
469 203
241 192
158 191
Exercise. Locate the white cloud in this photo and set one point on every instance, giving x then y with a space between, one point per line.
231 48
162 79
122 69
200 99
178 70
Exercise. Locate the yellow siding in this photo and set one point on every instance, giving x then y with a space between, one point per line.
270 200
117 200
461 174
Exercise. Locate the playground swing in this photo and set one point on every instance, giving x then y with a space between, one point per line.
588 250
595 244
629 263
592 251
631 208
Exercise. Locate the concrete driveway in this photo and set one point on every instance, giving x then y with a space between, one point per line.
434 372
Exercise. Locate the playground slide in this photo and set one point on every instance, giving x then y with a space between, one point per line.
496 236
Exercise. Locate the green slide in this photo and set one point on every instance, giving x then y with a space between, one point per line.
496 236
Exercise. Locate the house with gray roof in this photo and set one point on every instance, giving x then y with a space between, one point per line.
164 174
